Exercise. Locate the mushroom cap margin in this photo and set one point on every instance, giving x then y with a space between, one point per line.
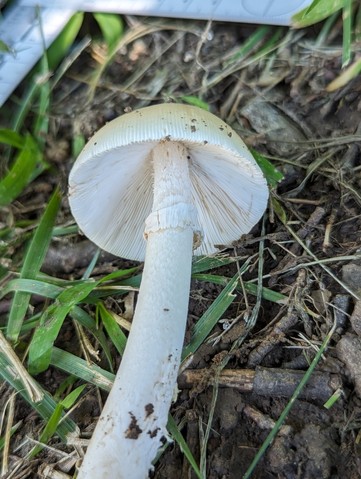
111 186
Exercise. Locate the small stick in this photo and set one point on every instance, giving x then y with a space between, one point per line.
303 201
328 229
266 382
276 336
264 421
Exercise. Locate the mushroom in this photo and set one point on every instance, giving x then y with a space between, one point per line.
158 184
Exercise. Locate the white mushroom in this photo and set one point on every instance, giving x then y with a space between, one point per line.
157 184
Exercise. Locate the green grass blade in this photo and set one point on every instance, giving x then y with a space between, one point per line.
55 419
60 47
116 335
266 293
87 273
121 273
317 11
65 230
25 105
254 39
325 30
32 264
357 25
205 263
210 318
51 322
72 397
49 430
91 373
178 437
346 76
11 138
271 44
112 28
346 32
31 286
21 171
64 386
251 288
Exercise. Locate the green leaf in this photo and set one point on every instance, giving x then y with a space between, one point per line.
317 11
112 28
21 172
51 322
272 175
32 264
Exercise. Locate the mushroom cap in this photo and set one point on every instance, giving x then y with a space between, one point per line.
111 182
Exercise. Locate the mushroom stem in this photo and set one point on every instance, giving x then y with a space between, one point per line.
133 421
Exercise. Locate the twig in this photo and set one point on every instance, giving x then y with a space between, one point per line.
265 382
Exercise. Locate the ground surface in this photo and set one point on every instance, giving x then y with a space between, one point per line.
279 104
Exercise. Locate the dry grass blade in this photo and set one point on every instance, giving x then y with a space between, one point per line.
34 392
9 422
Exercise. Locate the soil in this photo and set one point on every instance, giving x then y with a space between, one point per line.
281 107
